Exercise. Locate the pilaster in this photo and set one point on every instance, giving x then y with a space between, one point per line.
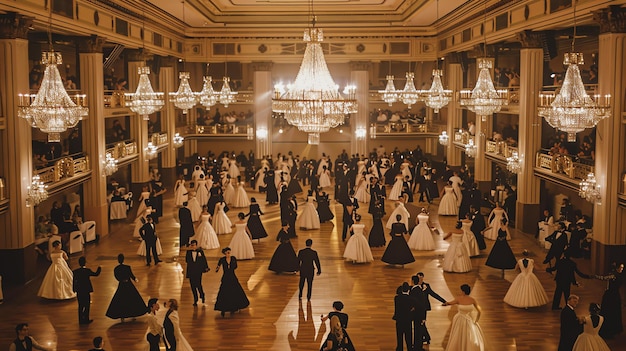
455 114
263 91
359 76
168 82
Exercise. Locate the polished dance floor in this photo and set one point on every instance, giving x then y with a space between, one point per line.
276 319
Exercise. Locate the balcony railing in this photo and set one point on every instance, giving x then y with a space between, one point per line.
500 148
220 129
64 168
572 167
395 128
122 149
159 139
463 137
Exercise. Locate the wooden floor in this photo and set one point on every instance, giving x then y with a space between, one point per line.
276 320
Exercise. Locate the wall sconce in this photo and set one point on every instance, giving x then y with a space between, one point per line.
444 139
178 140
373 131
360 133
110 164
151 151
261 134
250 133
37 192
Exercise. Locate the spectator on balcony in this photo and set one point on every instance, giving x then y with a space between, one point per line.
586 149
231 118
395 117
217 117
593 76
201 120
119 133
74 142
382 117
497 136
503 79
513 79
70 83
471 128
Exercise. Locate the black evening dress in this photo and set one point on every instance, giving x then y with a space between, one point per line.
255 226
398 251
126 302
284 258
323 209
501 255
377 233
231 296
271 195
294 187
611 308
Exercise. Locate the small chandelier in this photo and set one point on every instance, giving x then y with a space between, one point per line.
590 189
470 148
390 94
572 110
314 139
514 163
444 139
184 98
207 96
109 164
436 97
178 140
373 131
226 96
37 192
409 95
360 133
151 151
51 109
484 99
144 101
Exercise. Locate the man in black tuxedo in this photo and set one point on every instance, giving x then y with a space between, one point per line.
349 206
565 269
196 266
407 189
404 306
307 258
148 235
186 225
570 325
478 225
290 209
418 315
341 181
83 289
98 344
559 243
426 289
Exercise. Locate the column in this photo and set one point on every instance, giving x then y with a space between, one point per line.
17 254
454 111
359 77
138 127
92 84
168 80
531 82
263 92
609 218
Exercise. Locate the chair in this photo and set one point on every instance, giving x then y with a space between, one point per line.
76 242
89 231
118 210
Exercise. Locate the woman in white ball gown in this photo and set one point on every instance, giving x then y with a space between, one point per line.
309 218
205 234
141 220
233 169
143 200
221 222
180 192
358 249
469 239
495 220
194 206
399 210
241 197
362 193
58 282
202 190
456 259
422 237
324 177
141 250
241 243
396 190
229 190
448 204
526 290
589 340
176 336
465 332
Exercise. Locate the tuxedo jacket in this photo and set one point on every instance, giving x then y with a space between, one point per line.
565 270
558 244
570 329
186 221
148 233
195 268
429 292
404 306
478 222
82 281
419 303
308 258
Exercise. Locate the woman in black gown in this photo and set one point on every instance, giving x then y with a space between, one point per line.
377 233
612 303
215 196
284 258
501 255
231 296
323 206
398 251
255 226
271 195
126 303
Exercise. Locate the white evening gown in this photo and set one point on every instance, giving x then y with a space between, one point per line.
233 170
58 281
448 204
362 191
494 225
396 190
465 334
358 249
195 208
469 239
229 192
241 197
141 250
324 179
400 210
181 342
526 290
142 203
241 245
421 237
589 340
140 221
202 192
205 234
180 194
309 218
456 259
221 222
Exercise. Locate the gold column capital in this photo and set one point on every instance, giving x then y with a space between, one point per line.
262 66
92 44
611 19
15 26
530 39
360 65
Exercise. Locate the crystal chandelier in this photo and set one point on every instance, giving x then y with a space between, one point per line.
514 163
572 110
37 192
51 109
144 101
484 99
409 95
444 139
314 139
390 94
313 102
109 164
590 189
178 140
207 96
226 96
436 97
184 98
470 148
151 151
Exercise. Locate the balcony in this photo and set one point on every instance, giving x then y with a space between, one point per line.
65 172
499 151
115 104
564 170
221 130
404 128
124 151
462 138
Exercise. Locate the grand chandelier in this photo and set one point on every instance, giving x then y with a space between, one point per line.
484 99
444 139
390 94
572 110
51 109
514 163
436 97
144 101
313 103
409 95
184 98
470 148
207 96
226 96
37 192
590 189
109 164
